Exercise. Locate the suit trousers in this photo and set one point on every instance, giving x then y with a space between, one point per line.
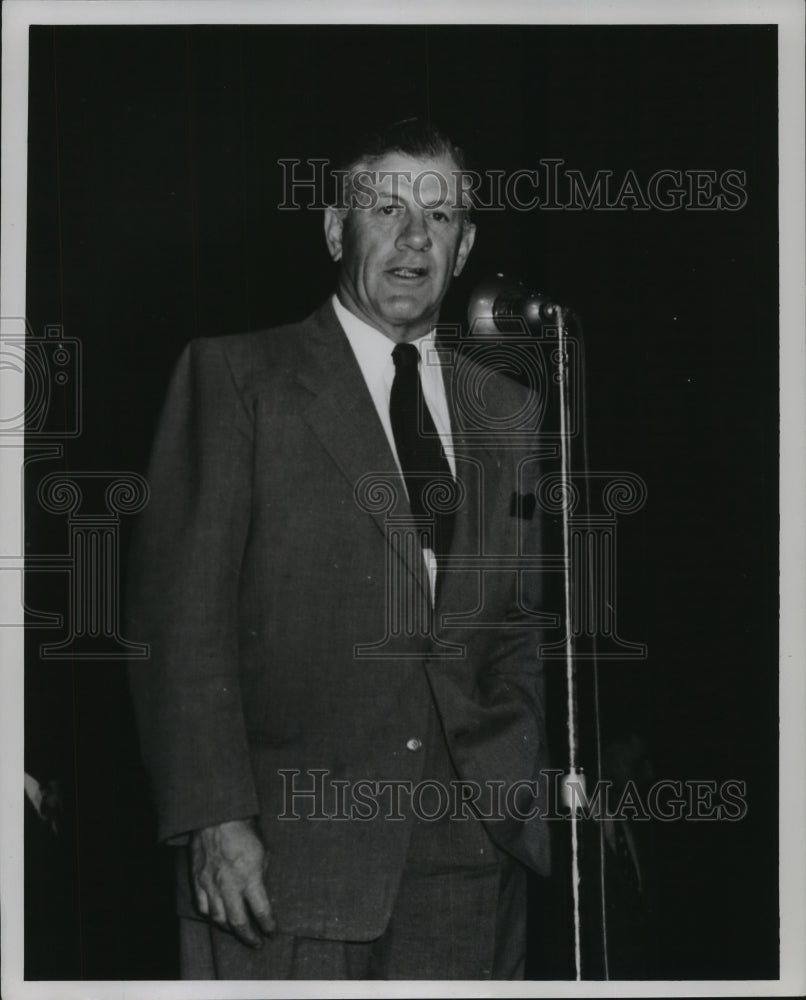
444 925
459 912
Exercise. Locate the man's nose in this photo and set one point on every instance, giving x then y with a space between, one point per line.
414 233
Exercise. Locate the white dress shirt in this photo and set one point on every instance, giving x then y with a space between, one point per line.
373 352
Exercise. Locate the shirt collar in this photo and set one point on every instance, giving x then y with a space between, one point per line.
369 344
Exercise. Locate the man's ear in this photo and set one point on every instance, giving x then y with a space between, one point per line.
465 246
334 229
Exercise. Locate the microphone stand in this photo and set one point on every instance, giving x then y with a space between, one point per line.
556 313
575 778
497 299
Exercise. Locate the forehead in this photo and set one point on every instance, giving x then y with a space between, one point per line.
427 180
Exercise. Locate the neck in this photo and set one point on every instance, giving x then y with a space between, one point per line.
398 333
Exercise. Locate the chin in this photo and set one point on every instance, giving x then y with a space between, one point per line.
408 308
416 324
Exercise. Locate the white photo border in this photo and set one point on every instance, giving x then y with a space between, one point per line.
17 16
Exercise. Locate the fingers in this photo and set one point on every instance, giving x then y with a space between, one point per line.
227 875
202 903
258 902
239 923
230 909
218 910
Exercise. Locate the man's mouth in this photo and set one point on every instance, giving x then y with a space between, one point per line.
408 273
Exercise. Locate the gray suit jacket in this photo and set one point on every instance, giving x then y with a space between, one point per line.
263 574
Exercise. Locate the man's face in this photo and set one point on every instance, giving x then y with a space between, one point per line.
400 241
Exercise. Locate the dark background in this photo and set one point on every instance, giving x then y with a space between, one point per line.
152 194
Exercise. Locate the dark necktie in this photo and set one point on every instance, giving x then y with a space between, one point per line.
419 449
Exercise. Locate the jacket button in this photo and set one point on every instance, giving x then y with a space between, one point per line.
414 744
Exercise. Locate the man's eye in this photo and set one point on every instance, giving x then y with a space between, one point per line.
440 216
388 209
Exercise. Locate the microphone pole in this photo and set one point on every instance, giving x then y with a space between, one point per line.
502 300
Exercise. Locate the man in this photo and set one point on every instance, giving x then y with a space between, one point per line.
324 668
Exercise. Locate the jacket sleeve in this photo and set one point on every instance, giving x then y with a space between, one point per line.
182 599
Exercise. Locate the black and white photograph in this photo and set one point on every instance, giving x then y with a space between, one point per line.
401 418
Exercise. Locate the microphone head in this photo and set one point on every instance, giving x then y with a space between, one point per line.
498 300
481 308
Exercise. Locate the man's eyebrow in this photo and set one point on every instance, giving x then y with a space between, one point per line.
443 204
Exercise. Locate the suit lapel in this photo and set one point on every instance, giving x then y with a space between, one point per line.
459 588
342 415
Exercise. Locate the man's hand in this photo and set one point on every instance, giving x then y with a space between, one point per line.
227 866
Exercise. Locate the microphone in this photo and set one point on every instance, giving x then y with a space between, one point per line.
500 298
